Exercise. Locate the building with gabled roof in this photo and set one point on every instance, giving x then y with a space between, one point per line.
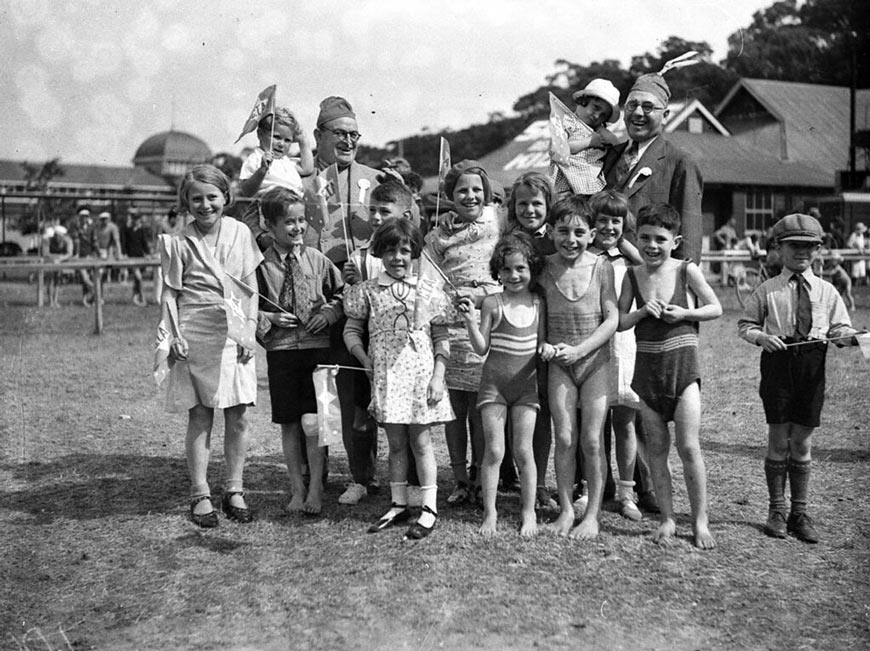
769 148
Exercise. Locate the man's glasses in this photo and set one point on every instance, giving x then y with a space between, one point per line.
341 134
646 107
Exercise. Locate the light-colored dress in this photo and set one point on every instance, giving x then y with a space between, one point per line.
462 251
403 358
211 375
622 347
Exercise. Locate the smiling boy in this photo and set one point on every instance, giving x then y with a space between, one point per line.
667 374
791 316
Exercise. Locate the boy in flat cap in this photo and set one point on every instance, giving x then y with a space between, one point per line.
649 169
792 316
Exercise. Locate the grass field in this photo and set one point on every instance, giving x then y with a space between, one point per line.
98 552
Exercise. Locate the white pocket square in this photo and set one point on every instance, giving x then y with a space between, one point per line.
643 171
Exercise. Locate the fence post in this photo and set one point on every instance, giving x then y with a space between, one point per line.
98 300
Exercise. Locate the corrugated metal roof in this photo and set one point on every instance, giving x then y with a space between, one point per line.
816 117
93 175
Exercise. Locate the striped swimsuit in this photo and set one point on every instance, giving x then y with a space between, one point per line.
666 361
509 373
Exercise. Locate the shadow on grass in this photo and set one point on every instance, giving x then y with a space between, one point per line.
820 453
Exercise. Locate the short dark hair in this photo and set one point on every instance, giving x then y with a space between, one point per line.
394 232
391 191
516 242
662 215
567 207
274 203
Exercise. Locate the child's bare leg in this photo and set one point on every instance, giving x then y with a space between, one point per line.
397 436
290 444
523 419
310 429
427 471
494 416
658 440
236 429
687 425
563 401
197 445
593 402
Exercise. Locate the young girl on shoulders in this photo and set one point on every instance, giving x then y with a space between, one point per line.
581 319
209 371
407 366
510 329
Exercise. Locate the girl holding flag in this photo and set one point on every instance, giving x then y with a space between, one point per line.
407 359
210 364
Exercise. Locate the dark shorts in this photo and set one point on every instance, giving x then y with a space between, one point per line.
793 385
290 386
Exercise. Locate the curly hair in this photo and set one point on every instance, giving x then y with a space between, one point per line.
281 116
516 242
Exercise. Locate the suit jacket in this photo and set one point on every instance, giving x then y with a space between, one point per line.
673 178
341 209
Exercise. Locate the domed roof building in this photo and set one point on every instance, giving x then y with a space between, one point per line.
171 153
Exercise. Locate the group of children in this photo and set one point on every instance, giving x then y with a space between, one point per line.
534 326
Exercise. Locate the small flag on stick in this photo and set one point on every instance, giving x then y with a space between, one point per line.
431 297
560 152
167 332
328 408
237 297
864 343
443 168
264 105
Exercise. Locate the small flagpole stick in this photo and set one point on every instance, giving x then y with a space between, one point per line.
818 341
272 134
339 366
439 270
254 291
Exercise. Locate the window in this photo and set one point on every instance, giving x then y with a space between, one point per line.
759 210
696 125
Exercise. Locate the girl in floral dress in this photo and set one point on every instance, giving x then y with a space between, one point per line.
407 366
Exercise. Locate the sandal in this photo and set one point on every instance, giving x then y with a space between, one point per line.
417 531
388 520
237 513
205 520
460 495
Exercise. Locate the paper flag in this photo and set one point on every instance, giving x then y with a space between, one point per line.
328 407
264 105
560 152
864 343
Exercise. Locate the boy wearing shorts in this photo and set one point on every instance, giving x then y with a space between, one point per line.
791 316
308 288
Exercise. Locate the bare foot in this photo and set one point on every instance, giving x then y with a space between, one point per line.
664 535
586 530
314 503
529 525
703 538
488 528
297 503
562 525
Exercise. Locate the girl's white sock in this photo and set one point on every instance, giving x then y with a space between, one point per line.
429 494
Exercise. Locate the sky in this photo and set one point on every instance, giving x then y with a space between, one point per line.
88 81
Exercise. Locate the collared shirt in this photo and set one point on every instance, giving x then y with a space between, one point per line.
325 290
772 309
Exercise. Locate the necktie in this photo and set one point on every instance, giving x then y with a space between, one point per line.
625 164
804 307
294 292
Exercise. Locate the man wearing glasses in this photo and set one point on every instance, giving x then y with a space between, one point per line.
649 169
336 200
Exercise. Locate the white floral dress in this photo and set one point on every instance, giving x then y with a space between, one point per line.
403 358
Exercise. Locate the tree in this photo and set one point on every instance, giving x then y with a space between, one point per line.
812 43
37 179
